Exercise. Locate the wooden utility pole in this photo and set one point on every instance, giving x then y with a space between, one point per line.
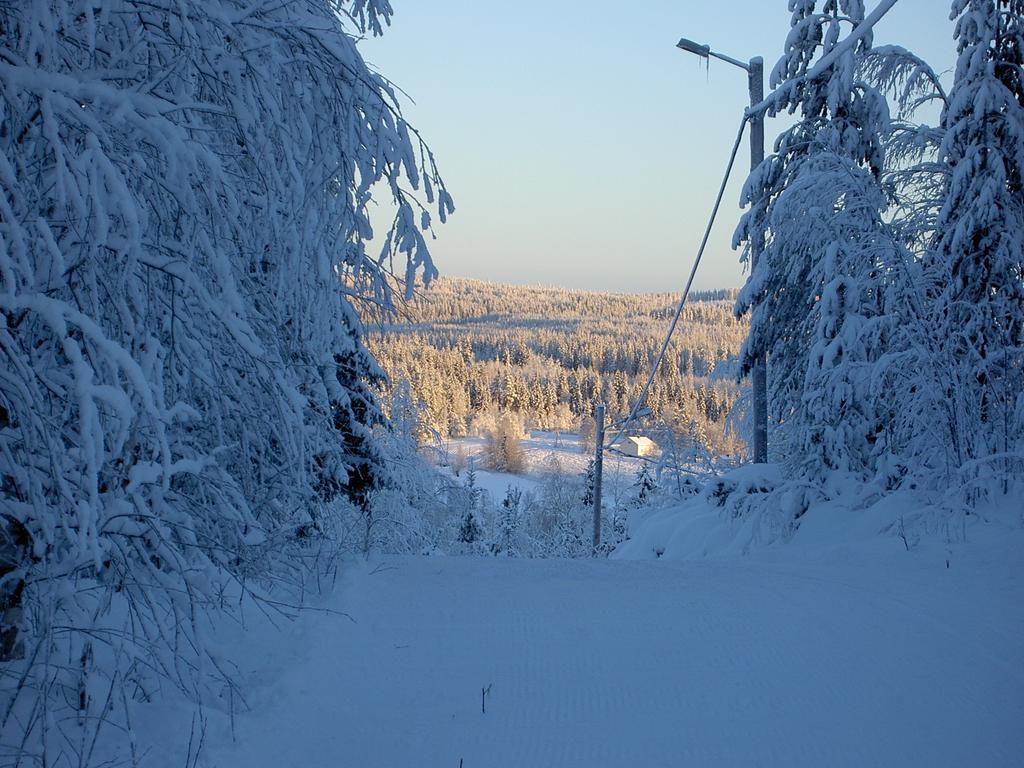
598 464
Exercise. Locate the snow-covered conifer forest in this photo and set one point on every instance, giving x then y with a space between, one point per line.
266 499
468 350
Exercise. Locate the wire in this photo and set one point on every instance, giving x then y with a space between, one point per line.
686 291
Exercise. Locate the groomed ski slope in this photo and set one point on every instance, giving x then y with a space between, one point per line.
881 659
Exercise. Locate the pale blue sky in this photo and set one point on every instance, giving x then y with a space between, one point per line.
581 146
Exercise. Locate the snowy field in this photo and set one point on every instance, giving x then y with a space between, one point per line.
546 453
793 657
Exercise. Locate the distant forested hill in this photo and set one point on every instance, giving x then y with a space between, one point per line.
466 350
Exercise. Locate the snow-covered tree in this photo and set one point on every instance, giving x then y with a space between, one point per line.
619 529
910 379
354 413
184 204
815 297
975 269
589 478
644 486
505 541
471 528
912 176
503 446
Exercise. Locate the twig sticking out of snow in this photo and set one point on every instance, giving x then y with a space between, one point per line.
483 698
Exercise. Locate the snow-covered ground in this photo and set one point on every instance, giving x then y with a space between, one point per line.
792 657
546 453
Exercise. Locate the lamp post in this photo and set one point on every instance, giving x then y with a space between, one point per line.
755 77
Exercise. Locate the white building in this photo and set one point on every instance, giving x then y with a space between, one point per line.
638 446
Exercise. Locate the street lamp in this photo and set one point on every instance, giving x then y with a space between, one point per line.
755 77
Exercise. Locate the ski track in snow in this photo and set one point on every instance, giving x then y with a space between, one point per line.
637 663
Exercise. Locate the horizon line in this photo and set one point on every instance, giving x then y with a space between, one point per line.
553 286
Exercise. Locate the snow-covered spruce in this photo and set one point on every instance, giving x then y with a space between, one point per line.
182 387
815 295
952 372
975 268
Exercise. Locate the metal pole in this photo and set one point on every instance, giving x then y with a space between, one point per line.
759 374
598 467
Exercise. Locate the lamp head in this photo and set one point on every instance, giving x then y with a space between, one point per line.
692 47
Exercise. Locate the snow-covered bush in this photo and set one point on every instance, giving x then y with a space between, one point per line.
738 492
645 486
503 449
410 512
